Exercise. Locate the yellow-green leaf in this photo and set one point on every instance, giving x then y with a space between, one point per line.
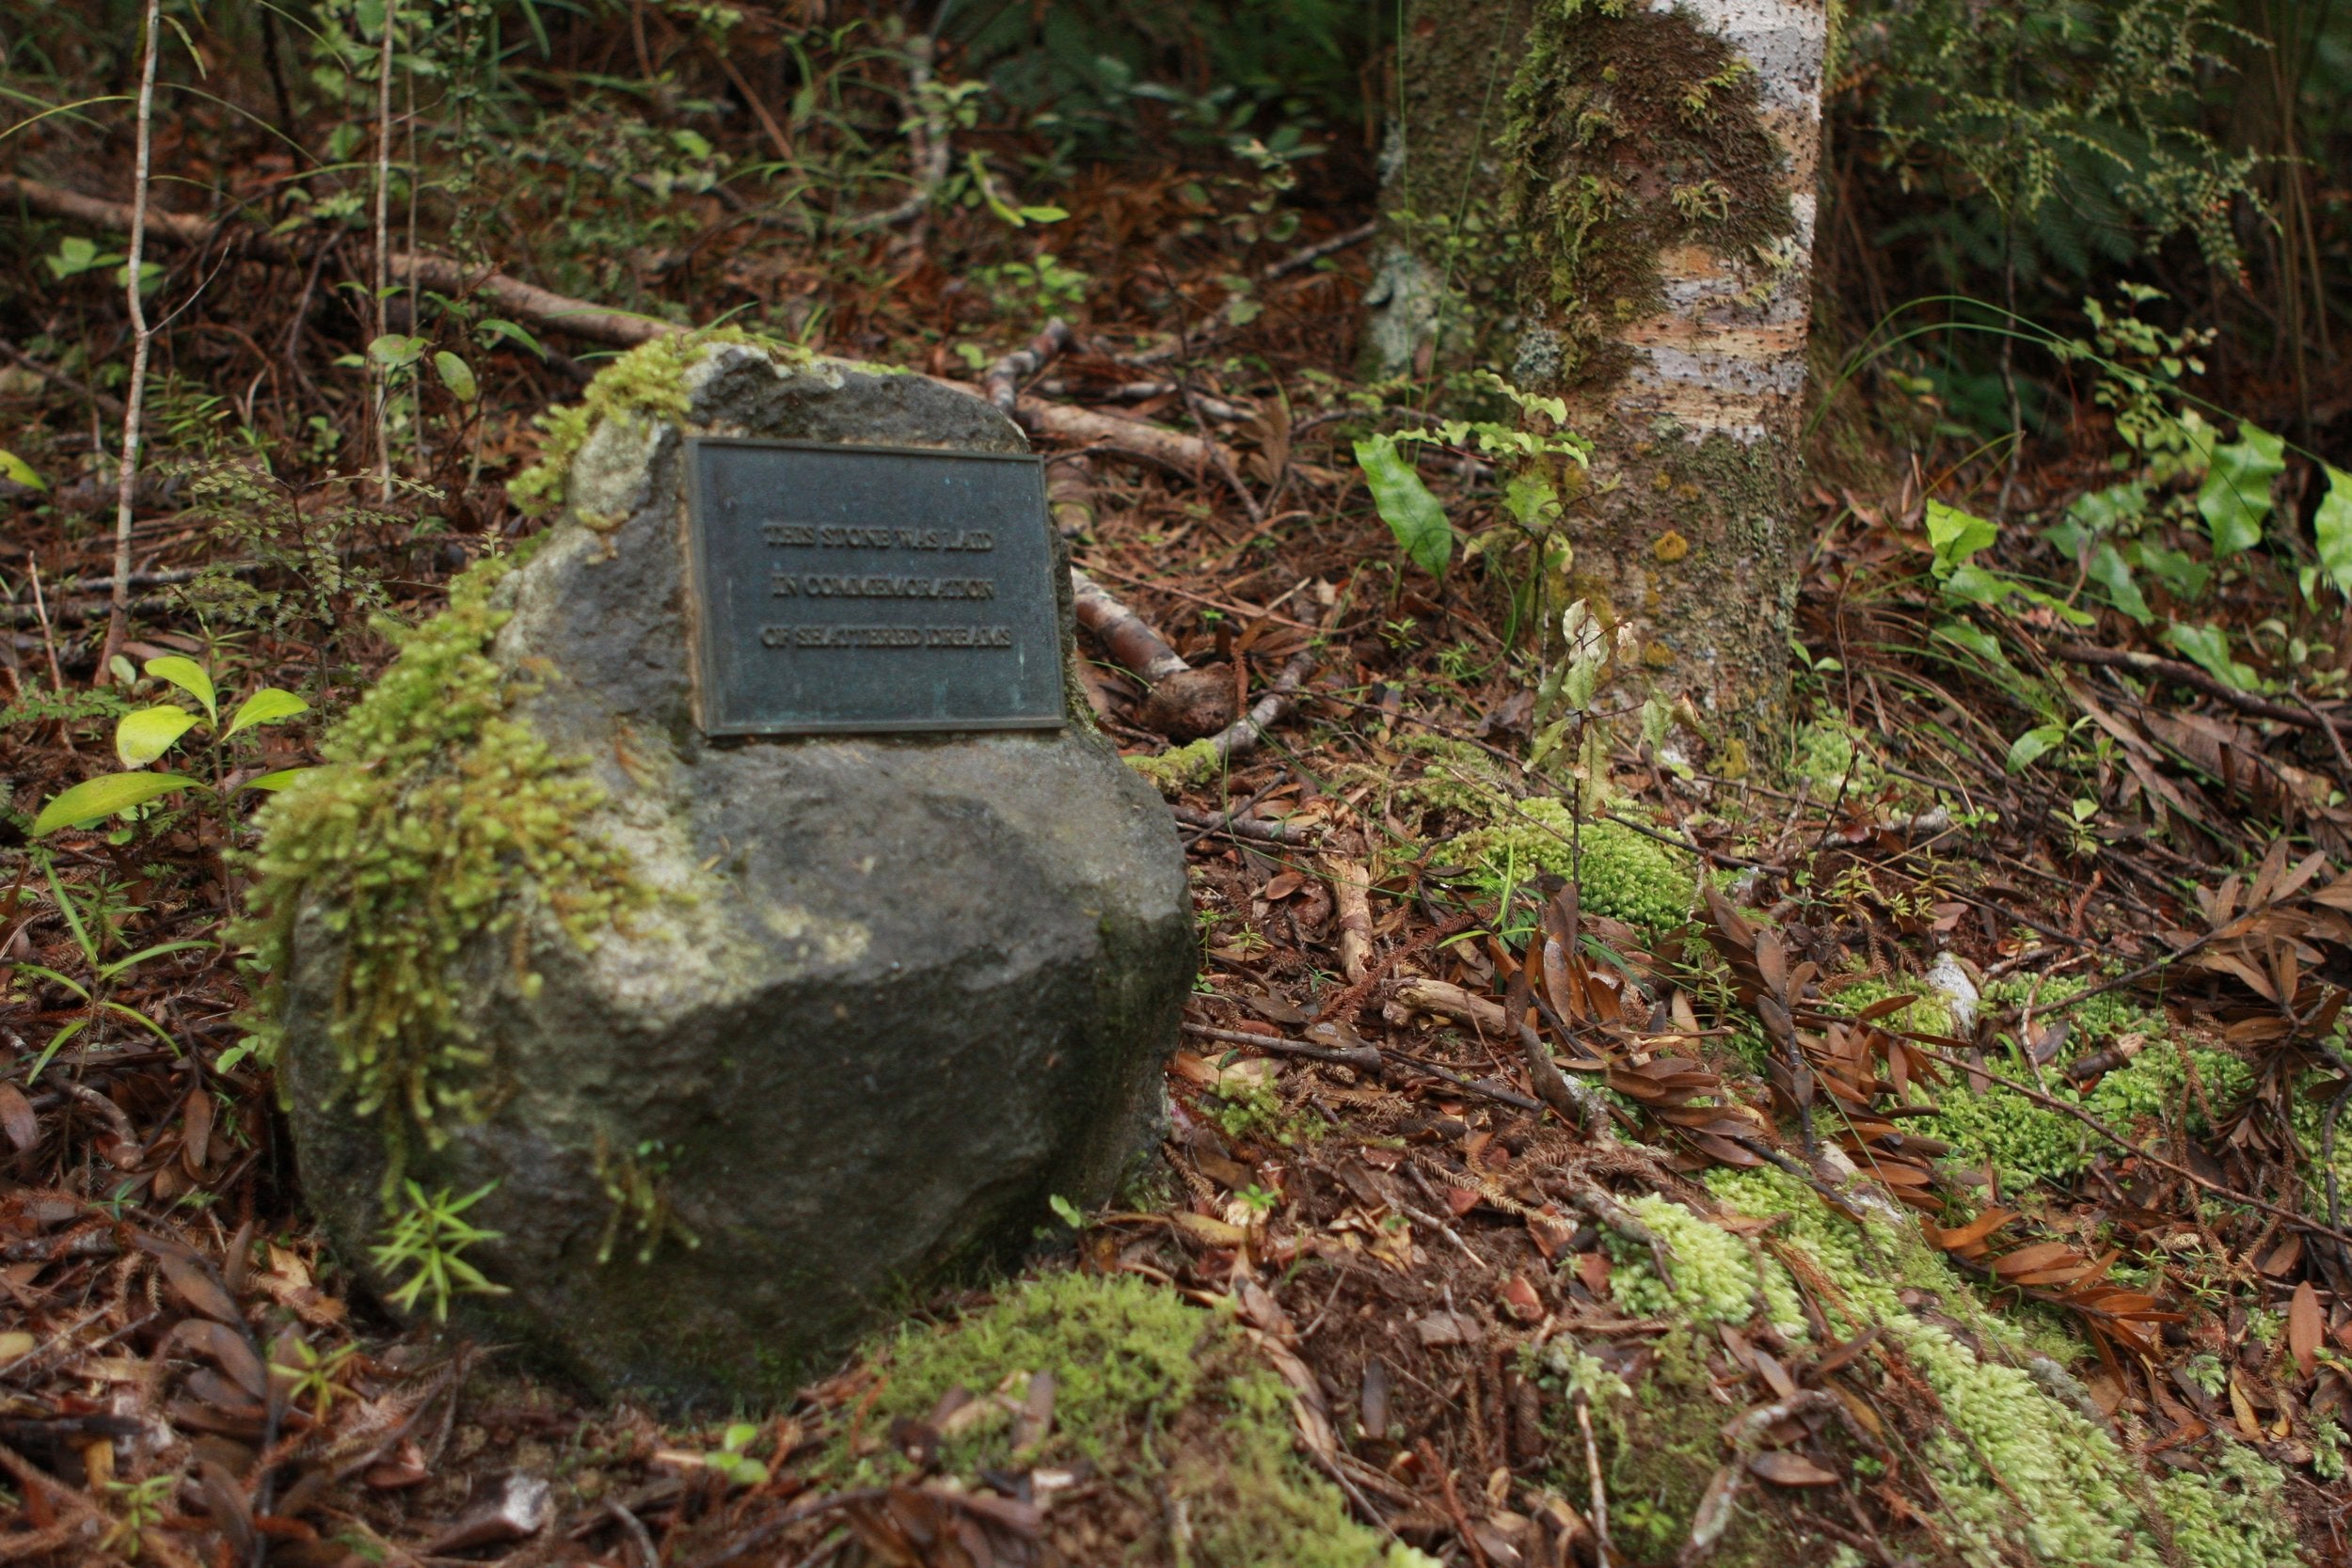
1413 515
104 796
142 736
456 375
15 468
189 676
266 706
2334 527
272 783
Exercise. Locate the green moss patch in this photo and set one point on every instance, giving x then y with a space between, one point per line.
649 381
438 817
1161 1399
1620 873
2022 1475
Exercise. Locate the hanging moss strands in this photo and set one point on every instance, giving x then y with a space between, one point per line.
438 815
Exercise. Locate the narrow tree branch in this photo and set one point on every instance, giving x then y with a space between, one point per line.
142 337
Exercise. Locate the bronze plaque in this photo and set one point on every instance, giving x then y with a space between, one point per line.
842 589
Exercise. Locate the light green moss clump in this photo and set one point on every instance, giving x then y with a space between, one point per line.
2233 1519
1620 873
1455 776
1716 1275
2022 1474
437 816
2027 1142
1825 751
1181 768
648 381
1151 1390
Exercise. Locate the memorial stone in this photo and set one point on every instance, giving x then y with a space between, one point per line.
909 943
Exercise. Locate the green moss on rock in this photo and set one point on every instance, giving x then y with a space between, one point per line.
2023 1476
2027 1142
1716 1275
647 382
437 816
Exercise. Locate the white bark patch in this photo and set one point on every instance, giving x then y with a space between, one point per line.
1726 355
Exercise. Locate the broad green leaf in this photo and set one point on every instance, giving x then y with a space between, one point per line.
15 468
104 796
1412 513
2236 493
1976 585
189 676
2109 569
269 784
2186 576
2209 647
266 706
1956 535
142 736
456 375
396 350
2033 744
491 328
2334 526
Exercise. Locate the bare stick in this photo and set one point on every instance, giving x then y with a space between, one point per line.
383 258
1124 635
2152 667
1351 892
142 336
1179 451
1005 375
1263 828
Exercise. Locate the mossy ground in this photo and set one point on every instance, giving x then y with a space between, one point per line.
1187 1431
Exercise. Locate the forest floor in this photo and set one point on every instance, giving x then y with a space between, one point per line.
2077 1016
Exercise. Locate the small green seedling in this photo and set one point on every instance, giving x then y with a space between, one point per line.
739 1467
144 735
103 973
427 1239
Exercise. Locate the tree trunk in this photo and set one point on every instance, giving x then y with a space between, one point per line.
1653 172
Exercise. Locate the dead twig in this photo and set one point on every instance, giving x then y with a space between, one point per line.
2153 667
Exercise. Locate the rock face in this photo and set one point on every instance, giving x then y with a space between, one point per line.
888 994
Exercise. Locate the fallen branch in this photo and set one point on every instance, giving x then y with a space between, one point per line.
521 301
1243 735
1362 1056
2172 670
1184 702
1264 829
1351 892
1004 378
1189 455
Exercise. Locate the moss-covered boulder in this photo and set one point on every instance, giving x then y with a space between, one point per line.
738 1041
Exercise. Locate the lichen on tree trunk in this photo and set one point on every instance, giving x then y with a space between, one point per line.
1656 167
